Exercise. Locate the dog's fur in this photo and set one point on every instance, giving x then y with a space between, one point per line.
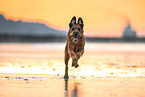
75 43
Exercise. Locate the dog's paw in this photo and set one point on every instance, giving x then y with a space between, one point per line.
76 66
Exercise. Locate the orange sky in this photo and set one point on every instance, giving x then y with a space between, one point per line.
101 17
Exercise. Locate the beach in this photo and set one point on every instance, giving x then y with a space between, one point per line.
106 70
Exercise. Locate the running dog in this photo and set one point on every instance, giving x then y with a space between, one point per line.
75 43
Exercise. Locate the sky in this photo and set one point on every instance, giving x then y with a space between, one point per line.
102 18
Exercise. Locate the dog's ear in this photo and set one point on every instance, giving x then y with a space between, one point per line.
73 21
80 21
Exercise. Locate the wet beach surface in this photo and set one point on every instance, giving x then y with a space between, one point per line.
106 70
16 85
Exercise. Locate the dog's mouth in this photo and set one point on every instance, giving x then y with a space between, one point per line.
75 38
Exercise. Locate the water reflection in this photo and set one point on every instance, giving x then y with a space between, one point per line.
73 89
66 87
74 92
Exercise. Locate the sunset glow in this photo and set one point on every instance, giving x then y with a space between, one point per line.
101 17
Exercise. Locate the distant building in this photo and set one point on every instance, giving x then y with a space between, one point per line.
129 32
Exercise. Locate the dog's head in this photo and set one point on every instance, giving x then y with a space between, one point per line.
76 29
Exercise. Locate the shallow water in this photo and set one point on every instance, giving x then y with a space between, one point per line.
99 59
106 70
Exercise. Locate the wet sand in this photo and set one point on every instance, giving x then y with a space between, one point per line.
17 85
106 70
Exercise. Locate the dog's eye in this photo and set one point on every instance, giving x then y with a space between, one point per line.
73 29
79 29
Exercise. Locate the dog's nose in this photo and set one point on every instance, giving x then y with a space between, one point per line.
76 33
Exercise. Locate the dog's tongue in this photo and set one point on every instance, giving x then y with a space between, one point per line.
75 39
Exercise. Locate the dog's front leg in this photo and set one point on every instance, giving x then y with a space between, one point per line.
79 54
66 62
73 56
74 59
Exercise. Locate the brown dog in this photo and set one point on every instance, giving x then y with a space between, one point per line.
75 43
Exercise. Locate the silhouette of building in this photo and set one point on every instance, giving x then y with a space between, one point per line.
129 32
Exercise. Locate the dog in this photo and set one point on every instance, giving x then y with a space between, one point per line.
75 43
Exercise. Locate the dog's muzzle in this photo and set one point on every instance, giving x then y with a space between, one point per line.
75 36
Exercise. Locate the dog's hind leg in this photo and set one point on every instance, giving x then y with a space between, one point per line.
66 62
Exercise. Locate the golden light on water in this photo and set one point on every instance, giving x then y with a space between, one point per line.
106 70
99 60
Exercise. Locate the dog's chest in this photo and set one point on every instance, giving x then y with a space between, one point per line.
75 48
